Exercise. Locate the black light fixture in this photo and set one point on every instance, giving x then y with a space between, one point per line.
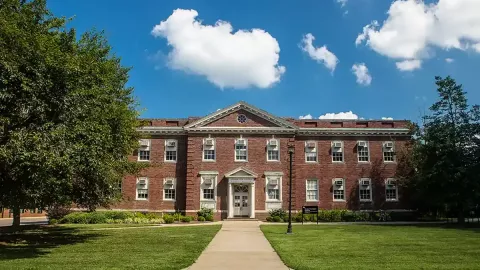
291 149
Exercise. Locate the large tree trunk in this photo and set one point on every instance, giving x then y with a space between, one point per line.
461 217
16 217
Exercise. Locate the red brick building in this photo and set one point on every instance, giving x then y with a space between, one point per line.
236 161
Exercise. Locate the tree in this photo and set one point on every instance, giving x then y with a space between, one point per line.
442 165
67 119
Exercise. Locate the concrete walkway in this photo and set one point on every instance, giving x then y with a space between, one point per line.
239 245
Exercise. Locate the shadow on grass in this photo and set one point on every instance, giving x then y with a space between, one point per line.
33 241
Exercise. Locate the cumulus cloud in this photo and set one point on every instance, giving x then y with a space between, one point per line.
241 59
308 116
409 65
387 118
449 60
340 115
414 28
321 54
342 2
362 74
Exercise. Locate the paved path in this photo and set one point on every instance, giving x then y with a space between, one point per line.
239 245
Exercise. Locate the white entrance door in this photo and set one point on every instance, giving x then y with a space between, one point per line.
240 201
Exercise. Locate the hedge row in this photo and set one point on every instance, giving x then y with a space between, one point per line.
280 215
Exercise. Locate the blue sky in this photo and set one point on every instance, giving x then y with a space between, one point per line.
309 85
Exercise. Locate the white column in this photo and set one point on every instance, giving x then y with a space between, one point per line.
252 200
230 200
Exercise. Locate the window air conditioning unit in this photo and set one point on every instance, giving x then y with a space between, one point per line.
338 182
365 182
337 145
209 142
391 182
362 144
310 144
241 142
208 181
273 182
389 145
169 182
171 143
272 142
142 182
144 143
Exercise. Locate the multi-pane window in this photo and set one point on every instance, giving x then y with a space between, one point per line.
337 151
144 150
171 150
273 150
312 190
338 189
310 151
362 151
169 185
241 149
208 187
209 149
391 191
273 188
388 152
365 189
142 188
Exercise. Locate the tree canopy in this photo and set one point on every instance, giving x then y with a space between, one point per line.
67 118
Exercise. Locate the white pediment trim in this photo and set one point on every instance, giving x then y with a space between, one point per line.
241 106
241 172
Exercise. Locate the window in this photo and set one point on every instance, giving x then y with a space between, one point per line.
337 151
142 188
312 190
169 186
362 151
241 150
310 151
338 189
144 150
388 152
208 149
208 187
365 189
391 191
241 118
171 150
273 150
273 188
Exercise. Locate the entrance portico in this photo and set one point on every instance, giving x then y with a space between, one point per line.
241 193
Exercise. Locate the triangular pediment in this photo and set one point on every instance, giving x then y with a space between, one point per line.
227 117
241 172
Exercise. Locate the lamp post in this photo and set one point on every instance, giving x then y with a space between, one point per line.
289 228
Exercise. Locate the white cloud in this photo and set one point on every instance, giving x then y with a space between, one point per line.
241 59
413 29
387 118
361 72
449 60
308 116
341 115
409 65
342 2
321 55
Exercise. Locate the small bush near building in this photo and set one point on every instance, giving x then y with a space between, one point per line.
186 219
58 212
277 219
168 219
282 214
347 216
209 218
201 219
52 221
110 217
206 213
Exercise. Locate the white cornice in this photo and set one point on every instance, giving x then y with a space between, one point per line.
162 130
354 131
242 130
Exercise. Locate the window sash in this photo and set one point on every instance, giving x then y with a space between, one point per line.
208 194
273 155
388 156
312 190
208 154
365 194
391 194
143 155
171 155
240 152
142 193
363 155
338 194
273 194
169 194
311 156
337 156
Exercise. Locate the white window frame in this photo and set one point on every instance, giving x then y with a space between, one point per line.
388 150
203 186
144 148
246 150
335 187
146 185
306 190
270 148
396 190
205 148
362 187
165 151
368 152
315 150
278 187
342 150
174 188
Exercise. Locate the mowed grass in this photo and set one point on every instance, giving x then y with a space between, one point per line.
376 247
98 247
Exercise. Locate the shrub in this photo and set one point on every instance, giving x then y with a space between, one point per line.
209 218
52 221
269 219
58 212
205 212
95 217
152 215
118 214
168 219
75 217
177 216
139 215
278 213
186 219
157 220
297 217
277 219
200 218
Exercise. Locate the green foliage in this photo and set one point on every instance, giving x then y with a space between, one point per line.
206 213
201 218
52 221
277 219
67 119
186 219
209 218
110 217
168 219
58 211
269 219
278 213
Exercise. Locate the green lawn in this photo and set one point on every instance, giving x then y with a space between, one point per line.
86 247
376 247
